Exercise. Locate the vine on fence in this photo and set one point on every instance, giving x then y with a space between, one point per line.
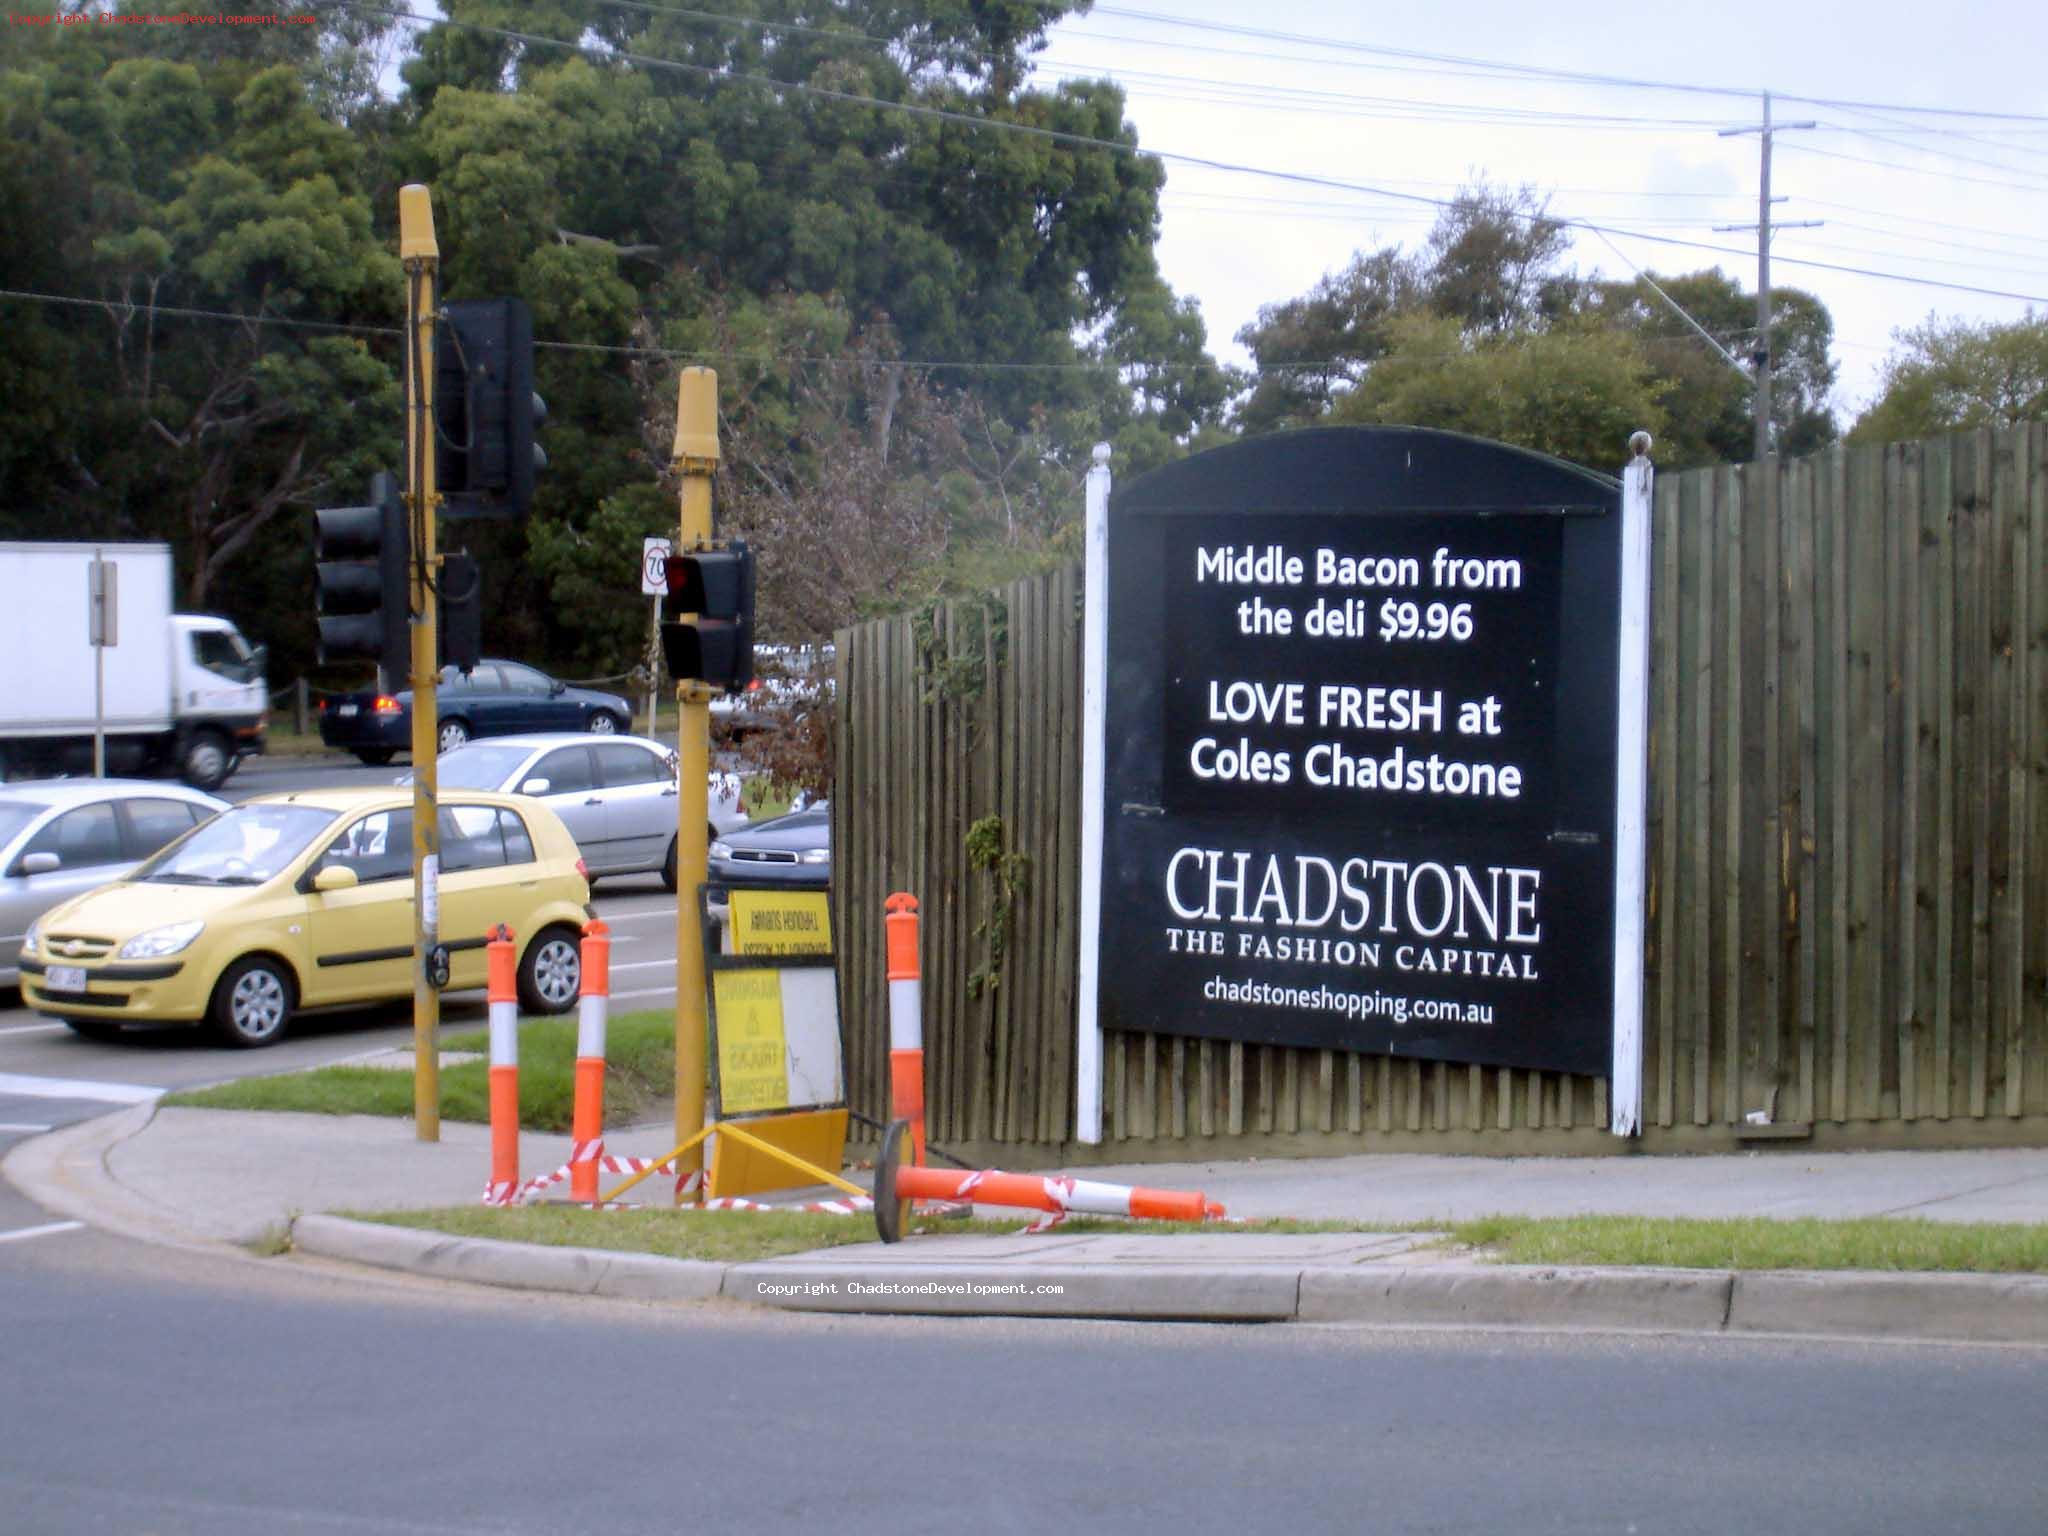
1012 872
959 672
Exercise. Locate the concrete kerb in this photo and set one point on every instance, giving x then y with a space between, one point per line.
1950 1308
75 1171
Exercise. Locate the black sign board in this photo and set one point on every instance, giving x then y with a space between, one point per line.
1360 749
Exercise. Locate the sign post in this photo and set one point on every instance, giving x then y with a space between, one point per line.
1360 752
654 553
103 619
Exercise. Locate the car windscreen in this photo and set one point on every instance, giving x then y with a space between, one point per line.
243 846
479 767
14 815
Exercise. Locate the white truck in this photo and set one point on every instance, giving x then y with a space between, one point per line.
178 692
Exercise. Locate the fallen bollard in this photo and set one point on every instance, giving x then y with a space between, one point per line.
898 1181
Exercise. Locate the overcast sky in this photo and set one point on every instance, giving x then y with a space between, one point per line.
1293 86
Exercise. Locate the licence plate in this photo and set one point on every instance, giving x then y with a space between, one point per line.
346 711
64 978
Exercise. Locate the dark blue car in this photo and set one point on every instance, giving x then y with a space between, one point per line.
500 698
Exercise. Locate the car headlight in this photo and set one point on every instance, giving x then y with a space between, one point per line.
721 850
161 941
29 939
817 856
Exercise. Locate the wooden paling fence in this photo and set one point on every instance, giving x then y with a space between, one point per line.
1848 847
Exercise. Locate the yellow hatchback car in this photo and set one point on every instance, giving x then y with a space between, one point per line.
304 900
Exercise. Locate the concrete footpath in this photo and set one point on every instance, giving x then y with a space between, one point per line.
213 1178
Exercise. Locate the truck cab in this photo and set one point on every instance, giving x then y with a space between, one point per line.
218 694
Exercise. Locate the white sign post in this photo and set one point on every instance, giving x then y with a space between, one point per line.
103 620
654 553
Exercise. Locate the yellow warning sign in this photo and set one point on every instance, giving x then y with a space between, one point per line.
753 1056
781 923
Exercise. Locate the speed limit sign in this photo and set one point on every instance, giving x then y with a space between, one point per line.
654 567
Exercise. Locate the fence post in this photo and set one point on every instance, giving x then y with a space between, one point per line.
299 692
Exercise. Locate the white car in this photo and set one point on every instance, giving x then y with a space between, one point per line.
62 837
616 794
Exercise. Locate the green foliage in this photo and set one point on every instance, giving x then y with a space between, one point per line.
1951 376
1489 287
1574 393
956 664
1010 874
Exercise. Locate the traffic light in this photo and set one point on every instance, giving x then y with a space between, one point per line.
361 556
485 409
717 646
462 622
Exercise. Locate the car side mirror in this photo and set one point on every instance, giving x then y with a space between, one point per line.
558 687
536 786
335 877
40 863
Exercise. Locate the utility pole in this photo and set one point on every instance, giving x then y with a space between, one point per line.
696 457
1762 354
420 256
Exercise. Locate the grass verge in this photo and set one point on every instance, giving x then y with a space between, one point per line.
640 1068
1756 1243
742 1236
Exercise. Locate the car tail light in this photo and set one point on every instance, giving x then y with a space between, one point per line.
323 706
386 705
754 685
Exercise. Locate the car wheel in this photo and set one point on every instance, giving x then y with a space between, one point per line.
551 971
94 1029
375 757
206 762
668 868
453 734
252 1002
605 724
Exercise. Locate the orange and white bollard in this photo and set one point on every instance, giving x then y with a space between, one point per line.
906 1018
503 992
897 1184
593 1011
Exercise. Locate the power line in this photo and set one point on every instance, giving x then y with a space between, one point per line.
1088 141
1539 72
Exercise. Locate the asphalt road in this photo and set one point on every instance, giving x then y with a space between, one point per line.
175 1392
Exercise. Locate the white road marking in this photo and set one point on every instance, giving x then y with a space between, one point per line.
645 965
613 919
70 1088
33 1029
620 997
22 1128
46 1231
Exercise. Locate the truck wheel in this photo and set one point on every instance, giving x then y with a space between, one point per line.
207 762
551 971
251 1002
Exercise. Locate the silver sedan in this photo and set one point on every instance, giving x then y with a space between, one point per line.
61 837
616 794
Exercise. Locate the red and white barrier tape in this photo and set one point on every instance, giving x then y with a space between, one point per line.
505 1194
853 1205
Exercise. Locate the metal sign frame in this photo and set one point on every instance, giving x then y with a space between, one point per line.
717 963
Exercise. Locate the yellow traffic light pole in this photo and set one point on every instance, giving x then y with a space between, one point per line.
420 255
696 458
